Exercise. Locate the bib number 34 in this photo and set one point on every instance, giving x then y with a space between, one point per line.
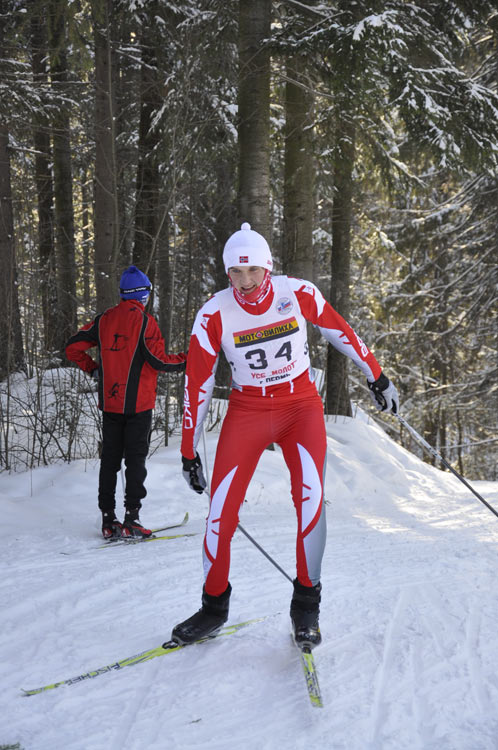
257 357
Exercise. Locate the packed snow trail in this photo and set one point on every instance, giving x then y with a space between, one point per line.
409 658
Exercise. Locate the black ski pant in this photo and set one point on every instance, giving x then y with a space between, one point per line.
124 436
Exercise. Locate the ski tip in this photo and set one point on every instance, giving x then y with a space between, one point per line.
36 691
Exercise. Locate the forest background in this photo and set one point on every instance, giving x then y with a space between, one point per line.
359 137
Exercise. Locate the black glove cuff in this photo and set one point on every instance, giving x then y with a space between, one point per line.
380 384
191 463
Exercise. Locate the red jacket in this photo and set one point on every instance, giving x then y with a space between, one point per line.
132 352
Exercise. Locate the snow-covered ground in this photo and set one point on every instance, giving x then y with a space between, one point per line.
409 612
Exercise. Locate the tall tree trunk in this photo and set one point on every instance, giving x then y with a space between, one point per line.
86 201
434 416
298 173
254 114
106 202
44 189
224 226
164 283
338 401
165 286
63 187
147 202
126 74
11 348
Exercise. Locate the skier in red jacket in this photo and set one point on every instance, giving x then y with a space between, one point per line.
260 323
131 352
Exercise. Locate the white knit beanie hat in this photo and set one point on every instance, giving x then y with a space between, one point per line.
247 247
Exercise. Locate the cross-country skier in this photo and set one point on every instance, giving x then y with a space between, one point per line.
131 353
260 323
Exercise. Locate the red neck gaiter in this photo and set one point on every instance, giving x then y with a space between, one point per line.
258 301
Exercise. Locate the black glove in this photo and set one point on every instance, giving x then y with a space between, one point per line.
384 394
192 471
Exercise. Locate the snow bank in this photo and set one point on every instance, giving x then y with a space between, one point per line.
410 646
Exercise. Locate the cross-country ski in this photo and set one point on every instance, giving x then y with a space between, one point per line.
172 526
310 676
168 647
152 538
133 540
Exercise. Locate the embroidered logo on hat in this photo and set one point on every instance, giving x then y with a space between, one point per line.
247 246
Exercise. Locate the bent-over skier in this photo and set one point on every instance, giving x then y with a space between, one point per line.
260 324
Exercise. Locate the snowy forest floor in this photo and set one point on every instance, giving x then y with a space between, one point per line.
409 613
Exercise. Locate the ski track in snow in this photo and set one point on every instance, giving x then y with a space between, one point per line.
409 659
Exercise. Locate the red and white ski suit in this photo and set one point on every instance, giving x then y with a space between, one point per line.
273 400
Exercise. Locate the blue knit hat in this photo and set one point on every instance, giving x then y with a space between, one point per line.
134 285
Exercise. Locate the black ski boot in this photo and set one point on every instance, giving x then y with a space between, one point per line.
207 621
132 528
111 527
304 611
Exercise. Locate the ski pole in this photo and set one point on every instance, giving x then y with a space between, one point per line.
434 453
268 557
239 526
